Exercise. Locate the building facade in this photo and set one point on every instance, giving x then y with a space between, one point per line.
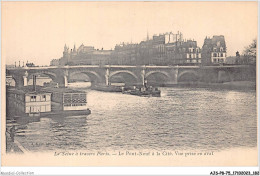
84 55
214 50
162 49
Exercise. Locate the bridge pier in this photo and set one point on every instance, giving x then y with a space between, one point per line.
62 81
65 81
143 76
107 77
174 76
19 81
25 81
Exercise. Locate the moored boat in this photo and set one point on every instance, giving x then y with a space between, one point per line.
29 104
66 113
28 118
144 91
106 88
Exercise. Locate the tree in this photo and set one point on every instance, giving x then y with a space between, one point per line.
250 52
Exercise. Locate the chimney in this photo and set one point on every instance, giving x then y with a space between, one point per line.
34 83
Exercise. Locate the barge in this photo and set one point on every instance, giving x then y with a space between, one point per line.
28 104
28 118
143 91
106 88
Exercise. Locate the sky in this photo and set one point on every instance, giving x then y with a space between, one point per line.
37 31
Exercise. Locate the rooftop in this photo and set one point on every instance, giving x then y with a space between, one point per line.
27 90
41 90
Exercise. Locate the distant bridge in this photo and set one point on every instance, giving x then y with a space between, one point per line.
134 74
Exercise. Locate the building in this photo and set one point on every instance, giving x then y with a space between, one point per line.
84 55
125 54
55 62
183 53
162 49
214 50
26 101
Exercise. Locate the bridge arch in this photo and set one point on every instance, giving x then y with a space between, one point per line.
157 77
156 72
53 76
194 74
50 75
123 76
93 76
123 71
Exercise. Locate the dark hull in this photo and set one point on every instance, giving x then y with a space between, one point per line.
145 94
66 113
106 88
28 119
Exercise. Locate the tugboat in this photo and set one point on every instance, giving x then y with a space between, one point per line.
143 91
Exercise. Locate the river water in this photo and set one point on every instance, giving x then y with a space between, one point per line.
182 118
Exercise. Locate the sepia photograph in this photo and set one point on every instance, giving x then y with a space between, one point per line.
129 83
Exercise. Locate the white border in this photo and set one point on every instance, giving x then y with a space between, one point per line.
126 170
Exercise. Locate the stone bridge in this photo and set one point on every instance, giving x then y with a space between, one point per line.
167 75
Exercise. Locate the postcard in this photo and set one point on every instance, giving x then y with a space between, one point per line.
129 84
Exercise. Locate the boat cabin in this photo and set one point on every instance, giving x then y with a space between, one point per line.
68 99
28 102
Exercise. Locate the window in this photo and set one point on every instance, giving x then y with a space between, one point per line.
33 98
215 55
221 49
44 98
221 54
